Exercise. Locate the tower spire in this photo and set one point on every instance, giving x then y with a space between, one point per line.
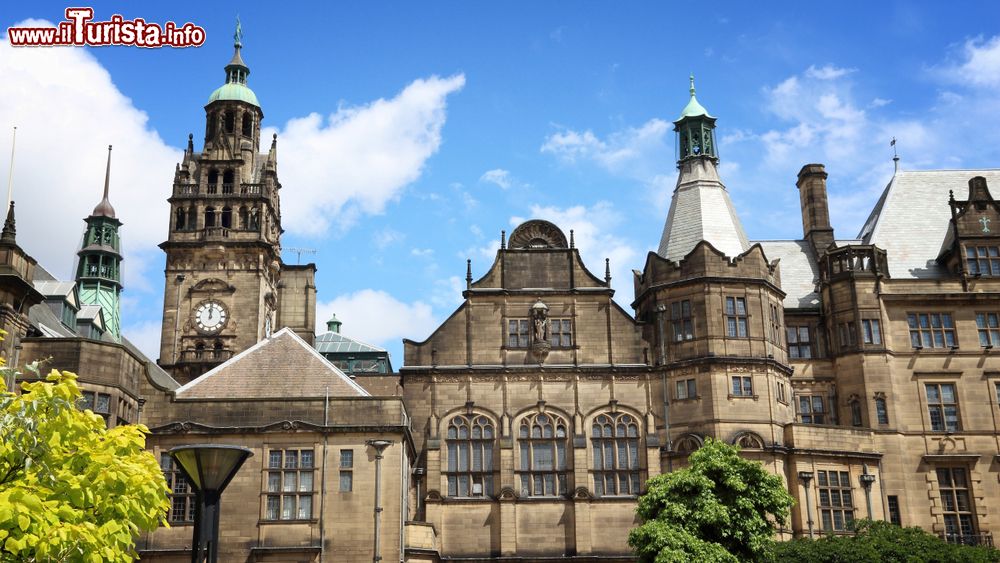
104 208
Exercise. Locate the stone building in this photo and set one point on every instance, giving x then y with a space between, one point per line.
523 429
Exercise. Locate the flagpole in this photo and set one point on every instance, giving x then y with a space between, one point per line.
10 172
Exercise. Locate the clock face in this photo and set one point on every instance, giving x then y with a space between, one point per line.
210 317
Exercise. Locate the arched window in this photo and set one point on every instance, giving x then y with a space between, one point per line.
230 121
199 350
192 220
210 127
247 124
615 439
209 217
254 219
244 216
227 217
217 350
542 468
855 405
470 456
881 411
181 217
227 181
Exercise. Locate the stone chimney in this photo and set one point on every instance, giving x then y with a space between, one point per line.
815 208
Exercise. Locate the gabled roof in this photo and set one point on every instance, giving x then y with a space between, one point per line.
281 366
910 220
334 343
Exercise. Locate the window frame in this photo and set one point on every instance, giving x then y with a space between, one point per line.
520 338
689 386
281 496
834 499
814 415
976 256
563 337
871 332
531 473
924 334
736 316
459 447
346 471
681 321
962 521
941 408
617 434
741 386
793 336
180 489
988 327
881 411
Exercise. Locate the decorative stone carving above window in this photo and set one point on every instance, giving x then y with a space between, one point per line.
537 234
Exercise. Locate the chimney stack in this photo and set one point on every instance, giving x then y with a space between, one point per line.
815 208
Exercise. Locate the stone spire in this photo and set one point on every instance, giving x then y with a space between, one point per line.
9 229
700 208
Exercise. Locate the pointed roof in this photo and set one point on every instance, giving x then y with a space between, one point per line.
693 108
911 219
104 208
237 71
281 366
701 211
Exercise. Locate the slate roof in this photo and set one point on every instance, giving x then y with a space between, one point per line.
51 288
701 210
334 343
281 366
910 220
799 271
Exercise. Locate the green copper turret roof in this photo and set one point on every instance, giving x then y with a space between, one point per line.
693 108
237 71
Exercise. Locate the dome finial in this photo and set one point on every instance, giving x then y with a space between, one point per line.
238 36
692 84
104 207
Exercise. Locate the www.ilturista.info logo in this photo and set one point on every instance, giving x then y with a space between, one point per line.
78 29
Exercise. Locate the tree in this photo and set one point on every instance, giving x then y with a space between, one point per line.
70 489
877 542
721 508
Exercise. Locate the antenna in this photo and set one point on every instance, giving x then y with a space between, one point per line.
299 252
10 172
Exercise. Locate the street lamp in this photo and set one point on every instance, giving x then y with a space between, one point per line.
866 481
379 446
805 477
209 468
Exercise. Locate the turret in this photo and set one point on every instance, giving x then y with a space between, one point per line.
98 273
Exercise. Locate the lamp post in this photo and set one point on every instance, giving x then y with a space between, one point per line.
806 477
866 481
380 446
209 468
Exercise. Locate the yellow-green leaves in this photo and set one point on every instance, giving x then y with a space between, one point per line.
71 490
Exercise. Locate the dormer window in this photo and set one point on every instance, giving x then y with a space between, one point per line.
983 260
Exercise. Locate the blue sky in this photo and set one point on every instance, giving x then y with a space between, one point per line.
411 134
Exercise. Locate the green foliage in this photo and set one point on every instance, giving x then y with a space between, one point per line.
721 508
877 542
70 489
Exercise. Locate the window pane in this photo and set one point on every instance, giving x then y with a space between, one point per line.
306 461
287 507
305 507
274 482
306 481
291 459
346 481
289 481
273 507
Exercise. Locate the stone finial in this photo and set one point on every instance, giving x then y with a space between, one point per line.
468 273
607 271
190 148
572 239
503 239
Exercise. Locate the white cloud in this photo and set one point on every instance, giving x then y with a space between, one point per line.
593 230
497 176
361 157
447 293
632 150
879 102
386 237
61 156
422 252
378 318
145 336
980 65
828 72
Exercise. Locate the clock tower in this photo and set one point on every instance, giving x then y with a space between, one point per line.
224 269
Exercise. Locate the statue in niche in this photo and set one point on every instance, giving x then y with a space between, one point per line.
539 313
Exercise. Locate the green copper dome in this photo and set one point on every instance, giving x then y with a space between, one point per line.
693 108
238 92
